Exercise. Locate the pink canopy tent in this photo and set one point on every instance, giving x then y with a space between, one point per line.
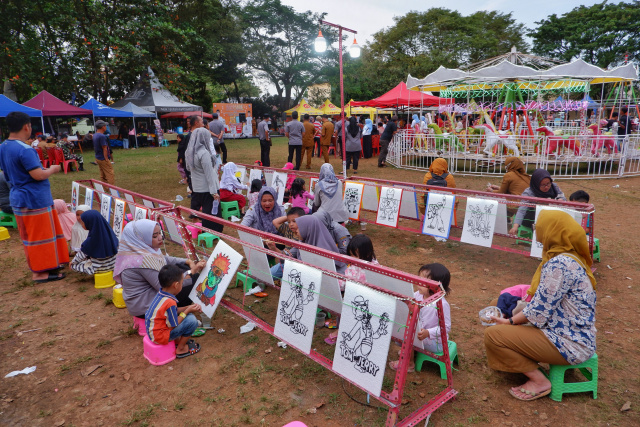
400 96
52 106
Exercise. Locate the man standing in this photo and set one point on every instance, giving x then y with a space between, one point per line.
325 137
624 127
265 140
217 133
104 158
385 139
294 130
308 140
30 196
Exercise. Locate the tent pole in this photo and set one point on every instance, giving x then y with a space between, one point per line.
135 134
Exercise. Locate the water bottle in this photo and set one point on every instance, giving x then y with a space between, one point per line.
214 209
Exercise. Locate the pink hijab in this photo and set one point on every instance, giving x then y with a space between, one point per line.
290 177
67 218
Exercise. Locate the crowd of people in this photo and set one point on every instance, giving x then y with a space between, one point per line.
555 326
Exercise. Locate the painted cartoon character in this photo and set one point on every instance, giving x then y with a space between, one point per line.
352 200
118 218
358 343
207 289
434 215
74 199
389 206
479 221
293 308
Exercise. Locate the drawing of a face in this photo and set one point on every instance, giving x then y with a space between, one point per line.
390 193
360 307
207 289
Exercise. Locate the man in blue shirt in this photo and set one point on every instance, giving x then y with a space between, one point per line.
30 196
103 154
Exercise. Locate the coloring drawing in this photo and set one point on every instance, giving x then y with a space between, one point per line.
75 195
312 188
364 336
353 199
118 217
88 197
140 213
105 207
389 206
279 183
215 277
479 222
438 214
298 305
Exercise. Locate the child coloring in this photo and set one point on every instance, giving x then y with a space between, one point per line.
298 196
256 186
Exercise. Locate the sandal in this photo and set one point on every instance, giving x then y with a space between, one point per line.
331 340
532 395
261 294
52 277
194 347
394 366
198 332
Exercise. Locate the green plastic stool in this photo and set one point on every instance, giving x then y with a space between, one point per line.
559 387
596 249
208 239
247 282
8 220
229 209
453 356
525 233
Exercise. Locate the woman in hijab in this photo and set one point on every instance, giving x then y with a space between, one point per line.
353 146
230 184
67 218
515 181
367 146
139 261
98 252
265 210
439 168
78 232
328 194
541 186
561 312
204 180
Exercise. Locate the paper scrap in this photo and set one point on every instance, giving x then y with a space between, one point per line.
221 331
247 328
282 344
25 371
253 290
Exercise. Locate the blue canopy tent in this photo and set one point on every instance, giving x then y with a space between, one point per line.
101 110
7 106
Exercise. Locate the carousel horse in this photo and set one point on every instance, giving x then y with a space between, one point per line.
601 140
492 138
557 141
442 139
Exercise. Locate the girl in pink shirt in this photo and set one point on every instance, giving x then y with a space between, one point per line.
298 196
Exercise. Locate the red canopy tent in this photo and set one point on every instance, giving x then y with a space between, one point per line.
400 96
52 106
185 114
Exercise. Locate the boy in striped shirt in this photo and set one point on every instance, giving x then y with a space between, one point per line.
166 322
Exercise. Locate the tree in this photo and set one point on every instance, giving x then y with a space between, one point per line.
600 34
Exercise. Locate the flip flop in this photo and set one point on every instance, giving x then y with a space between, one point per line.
533 395
394 366
194 347
261 294
52 277
198 332
331 340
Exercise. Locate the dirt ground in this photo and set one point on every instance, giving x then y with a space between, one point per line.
90 368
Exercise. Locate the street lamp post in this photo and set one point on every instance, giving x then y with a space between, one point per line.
320 45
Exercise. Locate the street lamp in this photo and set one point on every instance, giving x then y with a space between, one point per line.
320 45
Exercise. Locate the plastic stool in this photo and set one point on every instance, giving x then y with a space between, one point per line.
247 282
596 249
140 326
158 354
117 298
193 231
230 208
208 239
525 233
559 387
8 220
453 356
4 233
104 280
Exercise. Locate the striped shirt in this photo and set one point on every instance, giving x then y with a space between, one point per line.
161 317
83 263
318 127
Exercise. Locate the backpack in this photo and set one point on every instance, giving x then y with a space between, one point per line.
438 180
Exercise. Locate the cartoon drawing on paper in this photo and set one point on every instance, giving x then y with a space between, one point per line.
75 193
141 213
389 205
436 216
88 198
480 221
358 343
293 308
206 290
352 200
105 207
118 218
278 182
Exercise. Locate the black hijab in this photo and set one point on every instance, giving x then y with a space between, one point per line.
536 178
353 127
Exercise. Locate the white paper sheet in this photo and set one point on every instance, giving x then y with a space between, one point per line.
98 187
172 228
389 207
75 196
312 188
536 247
479 222
279 183
438 214
105 207
140 213
409 206
88 197
257 261
352 200
501 220
370 198
148 203
330 295
114 192
118 217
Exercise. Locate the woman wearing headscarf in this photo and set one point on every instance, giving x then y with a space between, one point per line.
78 232
204 180
266 209
541 186
515 181
230 185
561 312
367 145
438 175
328 194
139 261
353 146
66 217
98 252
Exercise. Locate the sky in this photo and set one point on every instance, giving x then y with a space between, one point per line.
370 16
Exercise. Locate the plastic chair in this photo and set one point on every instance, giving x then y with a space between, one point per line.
247 282
230 208
375 144
596 249
8 220
193 231
158 354
45 162
453 356
140 326
104 280
207 238
588 368
525 233
51 154
61 160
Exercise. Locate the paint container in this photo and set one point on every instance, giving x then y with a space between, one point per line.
320 318
206 321
363 226
489 311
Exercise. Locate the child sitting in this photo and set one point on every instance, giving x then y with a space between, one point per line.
166 322
428 327
298 196
582 196
230 184
256 186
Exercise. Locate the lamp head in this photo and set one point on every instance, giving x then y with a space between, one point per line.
320 43
355 49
